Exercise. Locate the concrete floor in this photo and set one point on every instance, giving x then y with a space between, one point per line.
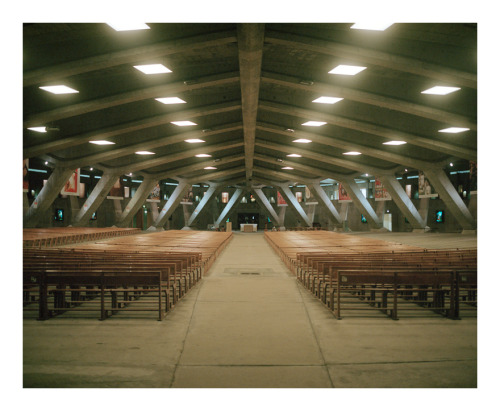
249 324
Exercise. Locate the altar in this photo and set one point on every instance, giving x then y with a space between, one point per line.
248 228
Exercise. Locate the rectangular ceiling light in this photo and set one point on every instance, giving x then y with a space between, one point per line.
293 155
38 129
128 26
347 70
153 68
327 100
203 155
302 140
287 168
60 89
194 140
144 153
314 123
101 142
183 123
371 26
394 143
352 153
170 100
209 168
440 90
454 130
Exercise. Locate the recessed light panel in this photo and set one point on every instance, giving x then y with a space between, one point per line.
394 143
210 168
101 142
293 155
327 100
203 155
183 123
440 90
371 26
38 129
302 140
128 26
314 123
153 68
352 153
60 89
144 153
194 140
170 100
287 168
454 130
347 70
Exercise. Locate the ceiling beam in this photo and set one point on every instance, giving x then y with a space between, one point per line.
218 174
130 56
128 97
374 57
123 128
250 47
369 128
371 99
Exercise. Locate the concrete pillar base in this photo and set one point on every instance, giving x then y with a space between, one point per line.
153 228
186 228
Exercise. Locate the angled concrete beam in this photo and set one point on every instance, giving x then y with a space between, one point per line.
129 56
110 132
136 201
172 203
233 202
374 57
209 195
129 97
319 193
448 148
361 202
216 175
250 49
404 203
47 195
454 203
266 205
99 193
292 200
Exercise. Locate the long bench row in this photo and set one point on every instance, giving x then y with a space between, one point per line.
51 237
366 275
111 276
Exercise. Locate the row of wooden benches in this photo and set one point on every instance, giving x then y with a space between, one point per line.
51 237
111 280
444 281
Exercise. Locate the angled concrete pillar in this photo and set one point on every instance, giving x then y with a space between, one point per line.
209 195
454 203
26 203
292 200
361 203
95 199
401 199
266 205
136 202
234 201
172 203
319 194
47 195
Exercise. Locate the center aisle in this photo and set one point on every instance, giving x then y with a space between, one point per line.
250 326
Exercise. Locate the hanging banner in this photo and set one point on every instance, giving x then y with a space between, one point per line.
188 198
310 200
381 193
424 187
26 175
154 196
281 200
298 196
72 186
117 192
343 196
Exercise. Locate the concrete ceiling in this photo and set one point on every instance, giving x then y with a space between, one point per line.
246 86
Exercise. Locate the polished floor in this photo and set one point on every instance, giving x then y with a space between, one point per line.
249 324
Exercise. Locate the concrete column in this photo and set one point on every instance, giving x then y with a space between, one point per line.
95 199
234 201
295 204
118 208
26 203
319 194
136 202
74 206
172 203
209 195
361 203
264 203
47 195
454 203
403 202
